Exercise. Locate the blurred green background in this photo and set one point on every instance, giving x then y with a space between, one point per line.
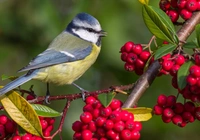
27 27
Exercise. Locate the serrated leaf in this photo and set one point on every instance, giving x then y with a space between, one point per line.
140 113
165 49
45 111
159 24
6 77
144 1
106 99
21 112
183 73
189 45
197 29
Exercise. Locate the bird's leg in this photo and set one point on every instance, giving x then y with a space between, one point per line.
47 95
82 91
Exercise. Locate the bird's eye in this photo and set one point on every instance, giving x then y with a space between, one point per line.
90 30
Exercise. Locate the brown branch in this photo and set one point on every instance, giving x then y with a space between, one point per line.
149 76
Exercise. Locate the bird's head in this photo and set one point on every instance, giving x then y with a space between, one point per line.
86 27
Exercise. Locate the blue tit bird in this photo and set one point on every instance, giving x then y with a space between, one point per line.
68 56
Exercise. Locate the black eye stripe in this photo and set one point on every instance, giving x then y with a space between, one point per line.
88 29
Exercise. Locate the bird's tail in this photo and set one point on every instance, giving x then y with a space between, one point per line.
17 82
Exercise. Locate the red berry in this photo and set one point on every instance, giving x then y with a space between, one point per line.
128 46
135 135
105 112
16 138
162 100
189 106
195 71
101 132
179 59
77 136
86 135
191 80
119 126
10 127
129 67
100 121
26 137
174 3
95 113
174 70
145 55
139 63
167 65
166 57
197 113
177 120
168 112
188 117
157 110
90 100
174 82
3 119
138 126
191 5
86 117
92 126
111 134
171 100
137 49
198 5
115 104
108 124
124 56
178 108
124 115
181 4
88 108
166 119
125 134
76 126
44 124
173 15
164 5
2 133
30 97
131 58
115 116
197 59
130 125
185 14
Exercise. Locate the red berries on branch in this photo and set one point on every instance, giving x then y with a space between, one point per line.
176 8
98 122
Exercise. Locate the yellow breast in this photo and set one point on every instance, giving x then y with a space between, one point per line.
66 73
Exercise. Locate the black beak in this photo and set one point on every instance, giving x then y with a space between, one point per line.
103 33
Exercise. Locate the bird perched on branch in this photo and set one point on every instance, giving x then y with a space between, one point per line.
68 56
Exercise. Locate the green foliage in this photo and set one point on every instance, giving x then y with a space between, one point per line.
165 49
106 99
182 74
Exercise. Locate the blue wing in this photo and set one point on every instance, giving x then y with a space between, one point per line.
64 48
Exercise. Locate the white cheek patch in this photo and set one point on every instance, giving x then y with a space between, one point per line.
84 34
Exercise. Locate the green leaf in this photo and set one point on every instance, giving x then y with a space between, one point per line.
106 99
159 24
45 111
189 45
182 74
140 113
165 49
21 112
197 28
6 77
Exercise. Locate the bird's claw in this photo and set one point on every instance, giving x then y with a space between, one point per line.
46 100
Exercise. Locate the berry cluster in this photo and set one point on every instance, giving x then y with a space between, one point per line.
184 8
171 64
103 123
47 127
180 114
135 57
7 127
